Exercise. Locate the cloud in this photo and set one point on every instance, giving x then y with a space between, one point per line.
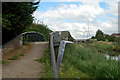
76 17
81 13
79 0
113 8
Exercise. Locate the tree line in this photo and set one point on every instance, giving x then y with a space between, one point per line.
100 36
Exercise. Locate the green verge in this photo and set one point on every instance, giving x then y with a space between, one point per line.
82 62
105 48
4 61
18 54
46 61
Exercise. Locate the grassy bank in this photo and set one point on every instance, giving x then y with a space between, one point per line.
82 62
104 47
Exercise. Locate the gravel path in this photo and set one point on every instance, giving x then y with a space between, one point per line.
26 67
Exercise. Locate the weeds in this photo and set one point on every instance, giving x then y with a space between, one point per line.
4 61
41 60
17 55
104 47
88 62
46 60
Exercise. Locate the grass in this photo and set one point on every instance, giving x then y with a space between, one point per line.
4 61
104 47
15 57
18 54
43 29
87 62
46 61
41 60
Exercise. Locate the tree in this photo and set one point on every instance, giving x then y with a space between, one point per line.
100 36
16 16
112 38
99 32
92 37
43 29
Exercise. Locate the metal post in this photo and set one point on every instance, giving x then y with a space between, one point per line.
53 61
61 52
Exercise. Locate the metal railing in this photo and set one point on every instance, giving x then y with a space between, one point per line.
53 42
53 61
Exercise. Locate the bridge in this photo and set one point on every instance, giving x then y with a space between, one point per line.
26 66
33 36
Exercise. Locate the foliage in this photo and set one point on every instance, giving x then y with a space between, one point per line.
92 37
105 47
100 37
4 61
89 61
41 60
117 40
112 38
99 32
43 29
107 37
15 57
46 60
15 17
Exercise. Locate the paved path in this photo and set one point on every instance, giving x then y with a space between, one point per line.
26 67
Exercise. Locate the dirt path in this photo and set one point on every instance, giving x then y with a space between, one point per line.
26 67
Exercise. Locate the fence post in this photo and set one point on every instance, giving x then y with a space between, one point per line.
53 61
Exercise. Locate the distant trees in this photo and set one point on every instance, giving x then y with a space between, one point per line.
100 36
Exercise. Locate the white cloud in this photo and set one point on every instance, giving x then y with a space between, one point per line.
113 9
82 13
80 16
78 0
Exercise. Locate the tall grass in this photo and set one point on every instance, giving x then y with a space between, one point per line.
104 47
89 62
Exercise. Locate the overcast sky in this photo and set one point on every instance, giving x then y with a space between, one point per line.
82 19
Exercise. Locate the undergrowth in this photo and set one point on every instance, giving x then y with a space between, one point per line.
18 54
82 62
46 60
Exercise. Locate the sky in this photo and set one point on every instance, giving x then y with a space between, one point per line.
81 19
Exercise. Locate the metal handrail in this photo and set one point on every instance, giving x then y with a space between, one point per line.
53 61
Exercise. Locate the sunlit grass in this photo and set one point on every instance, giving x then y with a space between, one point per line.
87 62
